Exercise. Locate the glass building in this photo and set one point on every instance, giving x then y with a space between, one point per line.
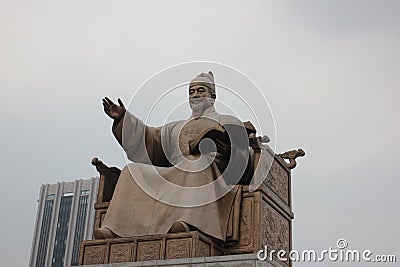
65 217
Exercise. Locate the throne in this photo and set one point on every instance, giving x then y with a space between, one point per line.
265 215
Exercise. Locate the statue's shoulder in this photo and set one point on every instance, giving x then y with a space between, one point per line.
229 120
174 124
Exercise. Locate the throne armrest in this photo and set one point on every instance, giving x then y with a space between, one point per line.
108 180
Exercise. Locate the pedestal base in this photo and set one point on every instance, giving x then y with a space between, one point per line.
149 248
245 260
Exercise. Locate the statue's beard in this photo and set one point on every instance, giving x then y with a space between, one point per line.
197 110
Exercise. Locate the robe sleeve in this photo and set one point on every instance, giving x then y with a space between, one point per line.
141 143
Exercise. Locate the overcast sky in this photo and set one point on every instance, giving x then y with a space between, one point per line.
329 70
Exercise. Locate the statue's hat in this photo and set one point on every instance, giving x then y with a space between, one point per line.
206 79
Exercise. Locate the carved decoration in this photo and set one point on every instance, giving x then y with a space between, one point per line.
188 132
255 143
148 250
121 253
249 127
108 180
104 169
278 181
204 249
246 220
150 247
177 249
264 139
94 254
291 156
275 230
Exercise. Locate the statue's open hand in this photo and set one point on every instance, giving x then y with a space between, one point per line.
113 110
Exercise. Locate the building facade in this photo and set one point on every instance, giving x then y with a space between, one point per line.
65 217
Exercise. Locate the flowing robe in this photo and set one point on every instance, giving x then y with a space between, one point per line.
170 181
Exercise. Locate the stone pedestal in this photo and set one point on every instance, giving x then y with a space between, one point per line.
245 260
149 248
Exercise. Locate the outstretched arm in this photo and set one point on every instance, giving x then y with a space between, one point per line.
141 143
116 113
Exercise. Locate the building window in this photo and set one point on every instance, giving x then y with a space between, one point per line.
85 192
79 228
44 233
62 231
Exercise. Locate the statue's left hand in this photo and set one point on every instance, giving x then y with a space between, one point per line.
113 110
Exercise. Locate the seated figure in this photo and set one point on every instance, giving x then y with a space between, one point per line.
184 175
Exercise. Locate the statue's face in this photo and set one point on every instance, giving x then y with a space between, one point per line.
200 96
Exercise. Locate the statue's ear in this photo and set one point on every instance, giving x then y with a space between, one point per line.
214 96
210 72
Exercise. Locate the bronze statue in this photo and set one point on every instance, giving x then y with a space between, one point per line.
179 180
